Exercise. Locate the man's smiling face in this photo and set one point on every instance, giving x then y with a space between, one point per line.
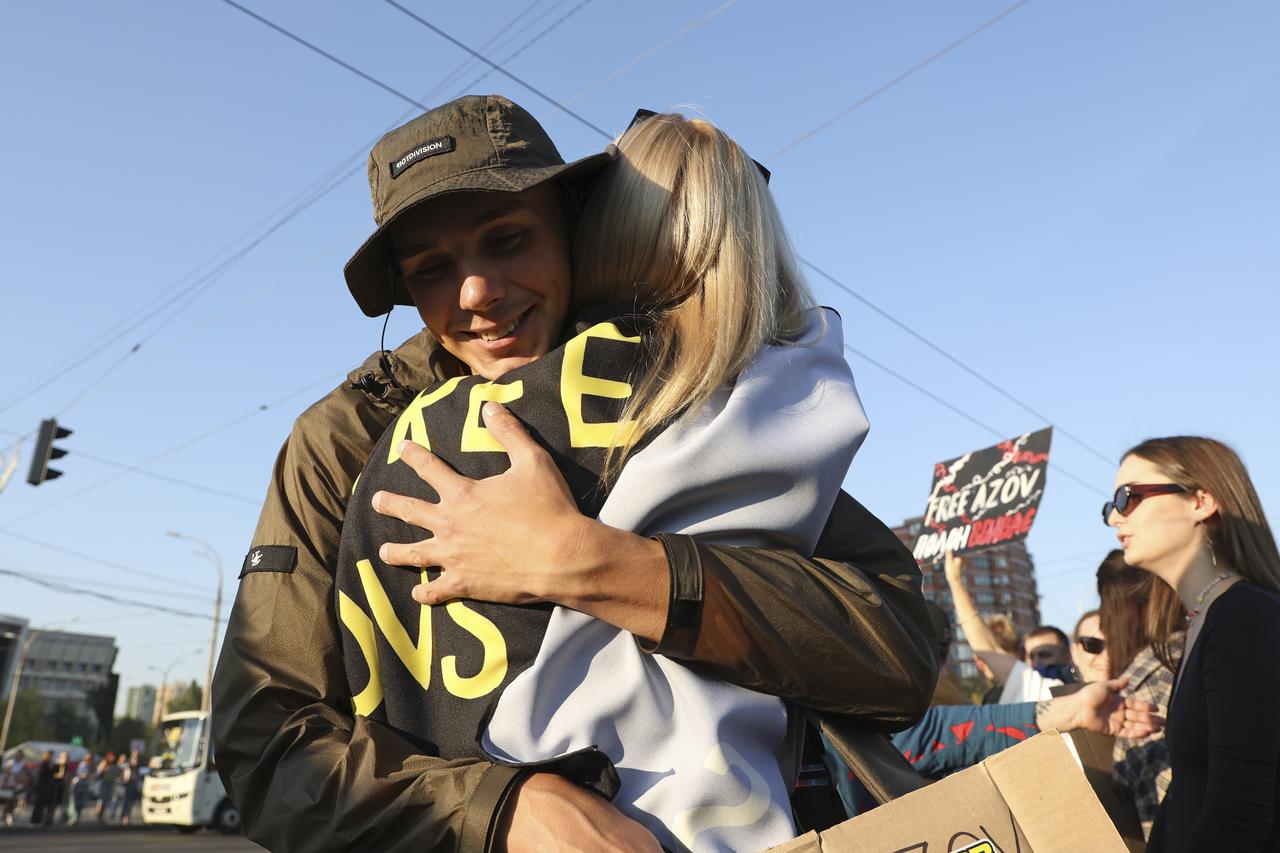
489 274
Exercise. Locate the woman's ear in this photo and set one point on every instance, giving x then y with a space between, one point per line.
1206 506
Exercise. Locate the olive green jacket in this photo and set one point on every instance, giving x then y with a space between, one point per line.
844 634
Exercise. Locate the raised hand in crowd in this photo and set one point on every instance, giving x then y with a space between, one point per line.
977 634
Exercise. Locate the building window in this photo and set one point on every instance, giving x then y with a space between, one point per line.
1001 563
983 563
982 579
984 598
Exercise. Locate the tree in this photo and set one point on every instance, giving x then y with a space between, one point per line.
68 723
189 698
28 721
102 703
123 733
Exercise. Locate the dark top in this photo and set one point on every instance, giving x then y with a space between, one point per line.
434 674
1224 732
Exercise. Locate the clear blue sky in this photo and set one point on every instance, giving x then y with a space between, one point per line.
1078 202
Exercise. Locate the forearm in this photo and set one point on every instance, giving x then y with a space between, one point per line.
621 578
969 620
845 631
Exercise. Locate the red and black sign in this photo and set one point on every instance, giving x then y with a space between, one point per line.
984 498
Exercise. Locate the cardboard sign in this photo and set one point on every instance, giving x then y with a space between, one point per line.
984 498
1032 798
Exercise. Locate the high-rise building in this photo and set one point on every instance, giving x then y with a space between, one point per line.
1001 579
140 703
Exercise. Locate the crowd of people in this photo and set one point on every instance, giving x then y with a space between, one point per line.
59 790
572 568
1154 638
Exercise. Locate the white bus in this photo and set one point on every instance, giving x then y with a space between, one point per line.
183 788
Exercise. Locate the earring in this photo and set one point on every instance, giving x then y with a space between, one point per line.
1212 555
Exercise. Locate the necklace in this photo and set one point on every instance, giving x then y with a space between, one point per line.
1195 611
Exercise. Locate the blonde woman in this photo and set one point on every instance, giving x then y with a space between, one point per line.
1186 511
715 402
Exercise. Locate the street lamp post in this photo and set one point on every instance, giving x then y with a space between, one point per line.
162 697
217 610
17 674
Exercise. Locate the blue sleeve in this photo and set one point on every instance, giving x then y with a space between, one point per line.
947 738
952 737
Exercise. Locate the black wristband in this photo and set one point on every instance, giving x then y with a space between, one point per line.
684 605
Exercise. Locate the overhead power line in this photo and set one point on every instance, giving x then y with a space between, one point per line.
329 56
144 590
347 168
470 87
832 279
884 87
998 433
180 446
72 589
177 481
495 66
94 559
945 353
666 42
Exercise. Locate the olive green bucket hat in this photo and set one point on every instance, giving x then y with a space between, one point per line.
477 143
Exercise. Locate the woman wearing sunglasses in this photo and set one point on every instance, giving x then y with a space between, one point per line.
1186 511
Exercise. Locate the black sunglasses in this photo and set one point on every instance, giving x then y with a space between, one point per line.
1092 645
1127 498
641 115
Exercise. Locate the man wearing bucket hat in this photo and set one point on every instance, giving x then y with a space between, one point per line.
306 772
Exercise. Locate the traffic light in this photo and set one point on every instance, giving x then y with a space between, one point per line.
45 451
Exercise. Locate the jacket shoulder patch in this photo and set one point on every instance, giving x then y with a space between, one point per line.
270 558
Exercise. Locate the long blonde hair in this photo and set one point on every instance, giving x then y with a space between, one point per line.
1242 538
684 228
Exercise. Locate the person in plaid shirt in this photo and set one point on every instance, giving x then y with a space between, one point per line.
1141 764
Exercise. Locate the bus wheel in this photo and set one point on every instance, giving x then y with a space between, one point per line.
227 818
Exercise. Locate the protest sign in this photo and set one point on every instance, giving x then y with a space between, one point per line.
984 498
1031 798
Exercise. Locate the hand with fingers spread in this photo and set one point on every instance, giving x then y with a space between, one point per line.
500 539
518 538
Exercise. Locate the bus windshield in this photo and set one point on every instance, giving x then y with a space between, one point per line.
181 744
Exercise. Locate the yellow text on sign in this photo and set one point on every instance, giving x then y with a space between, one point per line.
412 425
576 384
417 657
